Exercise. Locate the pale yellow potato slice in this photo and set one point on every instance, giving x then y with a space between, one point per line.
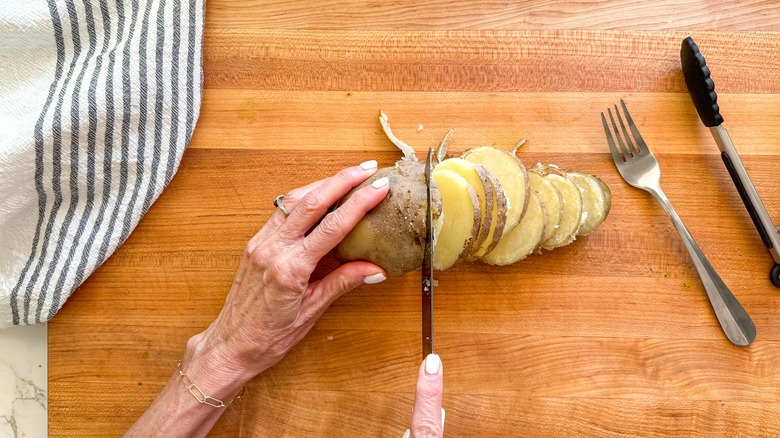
551 198
511 173
596 200
461 215
476 176
571 217
497 221
524 238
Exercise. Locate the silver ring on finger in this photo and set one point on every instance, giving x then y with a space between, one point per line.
278 204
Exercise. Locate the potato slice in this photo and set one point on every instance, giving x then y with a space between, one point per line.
524 238
498 220
571 216
552 200
511 173
596 200
476 176
460 209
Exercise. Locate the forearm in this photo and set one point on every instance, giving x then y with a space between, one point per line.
176 412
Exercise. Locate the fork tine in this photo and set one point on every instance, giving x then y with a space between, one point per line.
639 140
625 152
629 144
612 148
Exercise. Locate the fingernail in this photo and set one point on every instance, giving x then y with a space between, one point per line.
442 420
374 279
368 165
407 434
381 182
432 364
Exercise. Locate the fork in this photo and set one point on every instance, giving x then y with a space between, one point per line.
638 167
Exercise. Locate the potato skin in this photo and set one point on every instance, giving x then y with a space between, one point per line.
392 235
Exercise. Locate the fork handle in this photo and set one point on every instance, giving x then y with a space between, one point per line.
733 318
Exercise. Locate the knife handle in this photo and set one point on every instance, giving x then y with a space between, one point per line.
700 84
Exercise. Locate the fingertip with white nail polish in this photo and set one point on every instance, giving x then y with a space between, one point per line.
432 364
368 165
375 278
381 182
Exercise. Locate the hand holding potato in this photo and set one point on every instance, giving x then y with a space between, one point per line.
271 305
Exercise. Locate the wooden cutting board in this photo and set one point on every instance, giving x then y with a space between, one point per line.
610 336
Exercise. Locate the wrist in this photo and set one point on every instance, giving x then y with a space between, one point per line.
213 370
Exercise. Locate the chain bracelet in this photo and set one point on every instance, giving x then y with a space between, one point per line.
201 396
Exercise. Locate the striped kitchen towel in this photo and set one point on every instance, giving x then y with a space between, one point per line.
98 100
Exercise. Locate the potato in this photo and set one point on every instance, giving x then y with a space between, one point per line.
524 238
460 209
392 235
485 205
571 216
477 177
497 221
596 200
552 200
511 173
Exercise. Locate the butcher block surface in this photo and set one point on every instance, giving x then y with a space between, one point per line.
610 336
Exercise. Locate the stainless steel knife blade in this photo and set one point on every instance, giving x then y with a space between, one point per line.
427 267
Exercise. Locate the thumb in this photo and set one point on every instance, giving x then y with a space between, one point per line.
428 415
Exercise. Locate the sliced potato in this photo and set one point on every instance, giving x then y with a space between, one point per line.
477 177
511 173
571 216
551 198
460 208
524 238
595 202
498 220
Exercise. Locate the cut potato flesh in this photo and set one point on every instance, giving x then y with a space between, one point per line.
476 176
524 238
497 221
595 202
551 198
460 209
571 217
512 175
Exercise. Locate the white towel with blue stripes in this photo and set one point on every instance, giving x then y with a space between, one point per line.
98 100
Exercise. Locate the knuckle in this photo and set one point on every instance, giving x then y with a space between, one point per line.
427 428
294 195
256 256
346 174
283 275
333 224
311 202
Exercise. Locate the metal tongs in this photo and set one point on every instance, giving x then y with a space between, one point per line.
702 91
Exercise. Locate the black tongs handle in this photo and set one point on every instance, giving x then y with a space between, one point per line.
702 90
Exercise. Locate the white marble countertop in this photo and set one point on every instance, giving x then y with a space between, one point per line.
23 382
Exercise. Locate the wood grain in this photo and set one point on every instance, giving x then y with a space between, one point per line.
610 336
483 61
721 15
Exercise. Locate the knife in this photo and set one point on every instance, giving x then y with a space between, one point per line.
702 91
427 267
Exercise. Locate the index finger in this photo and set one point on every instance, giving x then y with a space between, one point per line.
316 203
428 415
